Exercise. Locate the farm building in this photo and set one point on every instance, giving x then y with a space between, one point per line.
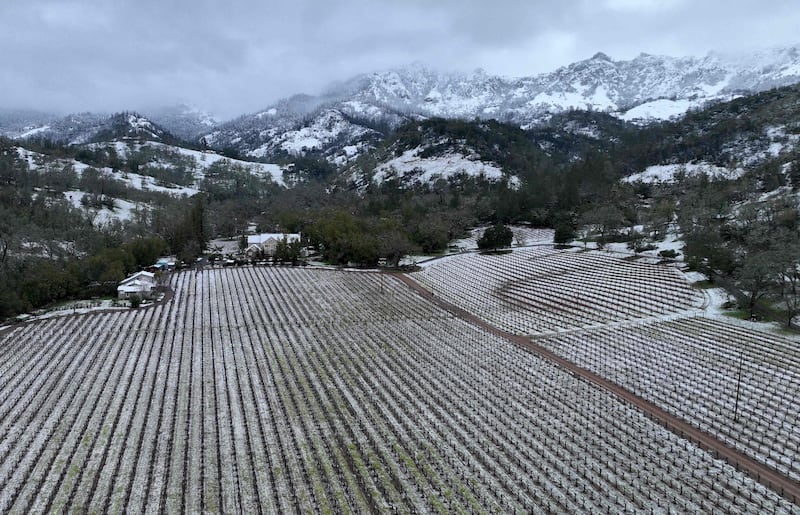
252 250
166 263
268 242
140 284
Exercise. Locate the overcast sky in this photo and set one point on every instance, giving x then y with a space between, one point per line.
237 56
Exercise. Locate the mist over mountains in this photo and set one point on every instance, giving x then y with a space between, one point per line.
353 114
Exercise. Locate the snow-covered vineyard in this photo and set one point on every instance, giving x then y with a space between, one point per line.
300 391
523 236
690 367
540 290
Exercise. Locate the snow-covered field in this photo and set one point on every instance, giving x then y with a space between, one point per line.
690 366
672 241
287 390
644 328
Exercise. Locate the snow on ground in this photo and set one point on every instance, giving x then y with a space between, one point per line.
78 307
34 160
203 160
661 109
582 130
581 98
33 132
672 241
780 140
142 124
224 245
325 129
37 161
411 167
669 173
774 141
523 236
363 109
719 297
206 159
348 153
123 209
790 70
144 182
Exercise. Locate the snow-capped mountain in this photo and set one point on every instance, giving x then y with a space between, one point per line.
598 83
643 89
353 114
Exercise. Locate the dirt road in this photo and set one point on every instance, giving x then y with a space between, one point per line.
767 476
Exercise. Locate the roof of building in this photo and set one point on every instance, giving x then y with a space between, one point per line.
260 239
169 261
135 286
149 277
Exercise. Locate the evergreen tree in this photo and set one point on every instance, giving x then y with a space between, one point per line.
496 237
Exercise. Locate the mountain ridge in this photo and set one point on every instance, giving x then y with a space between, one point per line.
353 114
644 89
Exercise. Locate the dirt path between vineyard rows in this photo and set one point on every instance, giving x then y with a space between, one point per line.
767 476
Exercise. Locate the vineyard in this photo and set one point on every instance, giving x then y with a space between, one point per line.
278 390
541 290
706 358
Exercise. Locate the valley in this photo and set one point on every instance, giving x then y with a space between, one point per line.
574 292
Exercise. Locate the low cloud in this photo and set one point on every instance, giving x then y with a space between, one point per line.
237 57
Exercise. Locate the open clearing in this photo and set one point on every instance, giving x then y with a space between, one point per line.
296 390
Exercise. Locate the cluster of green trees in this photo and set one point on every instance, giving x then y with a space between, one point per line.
344 238
31 281
755 244
51 250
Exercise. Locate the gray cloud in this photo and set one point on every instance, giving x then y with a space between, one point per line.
235 57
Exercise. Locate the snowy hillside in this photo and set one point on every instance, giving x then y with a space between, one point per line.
328 128
599 83
78 129
735 152
106 207
43 163
195 161
353 115
127 191
410 168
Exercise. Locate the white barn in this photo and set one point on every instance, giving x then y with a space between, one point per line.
140 284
